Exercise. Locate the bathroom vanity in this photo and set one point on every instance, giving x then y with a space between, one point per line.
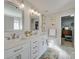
16 44
26 48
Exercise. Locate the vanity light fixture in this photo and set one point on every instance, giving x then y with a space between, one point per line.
21 6
34 12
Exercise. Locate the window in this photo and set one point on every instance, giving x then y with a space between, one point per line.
17 23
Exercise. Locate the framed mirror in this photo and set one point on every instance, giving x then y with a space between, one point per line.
13 17
34 22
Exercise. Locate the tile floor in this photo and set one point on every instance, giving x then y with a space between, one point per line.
62 53
67 43
59 52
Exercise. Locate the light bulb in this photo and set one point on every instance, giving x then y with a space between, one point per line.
21 5
34 12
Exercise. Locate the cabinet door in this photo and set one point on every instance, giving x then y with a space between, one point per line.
42 46
20 55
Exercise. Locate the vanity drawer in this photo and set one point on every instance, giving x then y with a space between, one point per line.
34 55
34 44
34 41
14 50
34 47
34 50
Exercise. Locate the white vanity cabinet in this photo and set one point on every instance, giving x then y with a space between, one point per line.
18 52
38 47
34 48
42 46
19 55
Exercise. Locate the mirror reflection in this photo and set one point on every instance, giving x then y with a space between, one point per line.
13 19
34 22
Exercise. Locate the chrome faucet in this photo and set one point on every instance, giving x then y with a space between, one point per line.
13 36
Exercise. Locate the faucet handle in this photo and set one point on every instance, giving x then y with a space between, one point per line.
13 35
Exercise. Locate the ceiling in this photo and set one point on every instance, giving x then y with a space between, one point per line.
52 6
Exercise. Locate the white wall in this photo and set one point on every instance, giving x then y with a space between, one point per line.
26 18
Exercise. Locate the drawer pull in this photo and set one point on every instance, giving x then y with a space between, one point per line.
35 42
35 57
35 47
35 52
18 49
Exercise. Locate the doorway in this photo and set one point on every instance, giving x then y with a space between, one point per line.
67 31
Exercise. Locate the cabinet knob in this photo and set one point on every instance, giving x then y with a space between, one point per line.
35 47
35 52
34 41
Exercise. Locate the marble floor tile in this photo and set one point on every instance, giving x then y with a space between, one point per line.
62 52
